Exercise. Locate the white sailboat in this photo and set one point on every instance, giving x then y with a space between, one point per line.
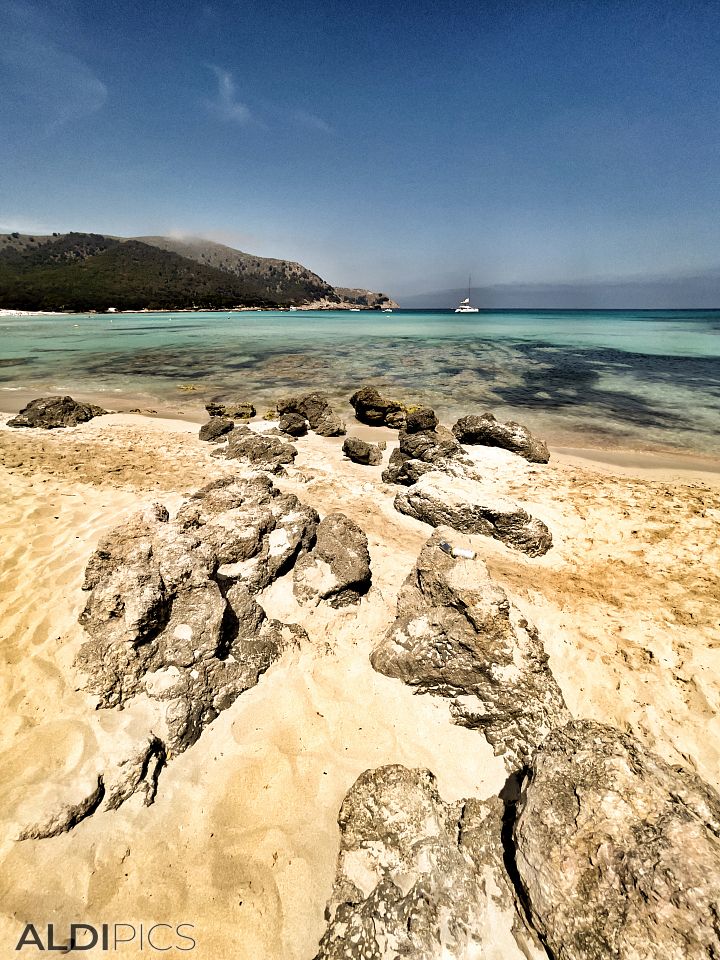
465 306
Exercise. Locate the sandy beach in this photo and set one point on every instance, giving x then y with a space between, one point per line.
242 839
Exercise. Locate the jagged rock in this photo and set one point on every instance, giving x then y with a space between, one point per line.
457 635
489 432
258 450
316 409
294 424
420 420
215 428
138 774
234 410
618 852
170 612
338 569
359 451
377 411
428 450
67 817
466 505
50 413
418 877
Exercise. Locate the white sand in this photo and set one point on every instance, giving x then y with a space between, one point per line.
242 839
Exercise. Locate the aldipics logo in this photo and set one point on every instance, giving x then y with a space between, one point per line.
77 937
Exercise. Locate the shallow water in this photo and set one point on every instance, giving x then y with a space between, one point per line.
645 380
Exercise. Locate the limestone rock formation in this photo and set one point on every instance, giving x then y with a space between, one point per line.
421 878
294 424
257 450
215 429
50 413
420 419
466 505
457 635
233 410
489 432
377 411
422 451
338 568
359 451
317 410
618 852
170 611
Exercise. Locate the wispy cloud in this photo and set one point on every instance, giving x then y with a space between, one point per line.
312 122
44 86
225 106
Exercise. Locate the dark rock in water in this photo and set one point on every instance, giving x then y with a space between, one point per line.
457 635
420 419
377 411
359 451
49 413
294 424
170 611
215 429
338 568
435 449
489 432
466 505
618 852
316 409
421 878
234 410
258 450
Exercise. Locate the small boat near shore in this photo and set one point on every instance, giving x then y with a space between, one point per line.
465 306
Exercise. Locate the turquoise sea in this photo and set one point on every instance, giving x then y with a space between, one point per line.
644 380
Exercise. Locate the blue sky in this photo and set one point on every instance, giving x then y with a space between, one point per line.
395 146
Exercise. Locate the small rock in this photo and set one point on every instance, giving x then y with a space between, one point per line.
294 424
259 450
316 409
359 451
50 413
489 432
215 428
338 568
233 410
420 419
377 411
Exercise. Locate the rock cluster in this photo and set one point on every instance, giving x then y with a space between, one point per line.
468 506
317 410
457 635
338 569
233 410
215 429
50 413
257 450
618 852
489 432
423 448
377 411
359 451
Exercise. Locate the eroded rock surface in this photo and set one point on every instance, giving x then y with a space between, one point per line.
468 506
294 424
215 429
338 568
377 411
619 852
359 451
489 432
457 635
257 450
421 878
170 610
51 413
422 451
233 410
317 410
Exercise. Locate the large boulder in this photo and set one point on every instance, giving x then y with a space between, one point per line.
233 410
257 450
618 852
456 634
215 429
338 568
50 413
317 410
359 451
377 411
469 506
418 877
489 432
